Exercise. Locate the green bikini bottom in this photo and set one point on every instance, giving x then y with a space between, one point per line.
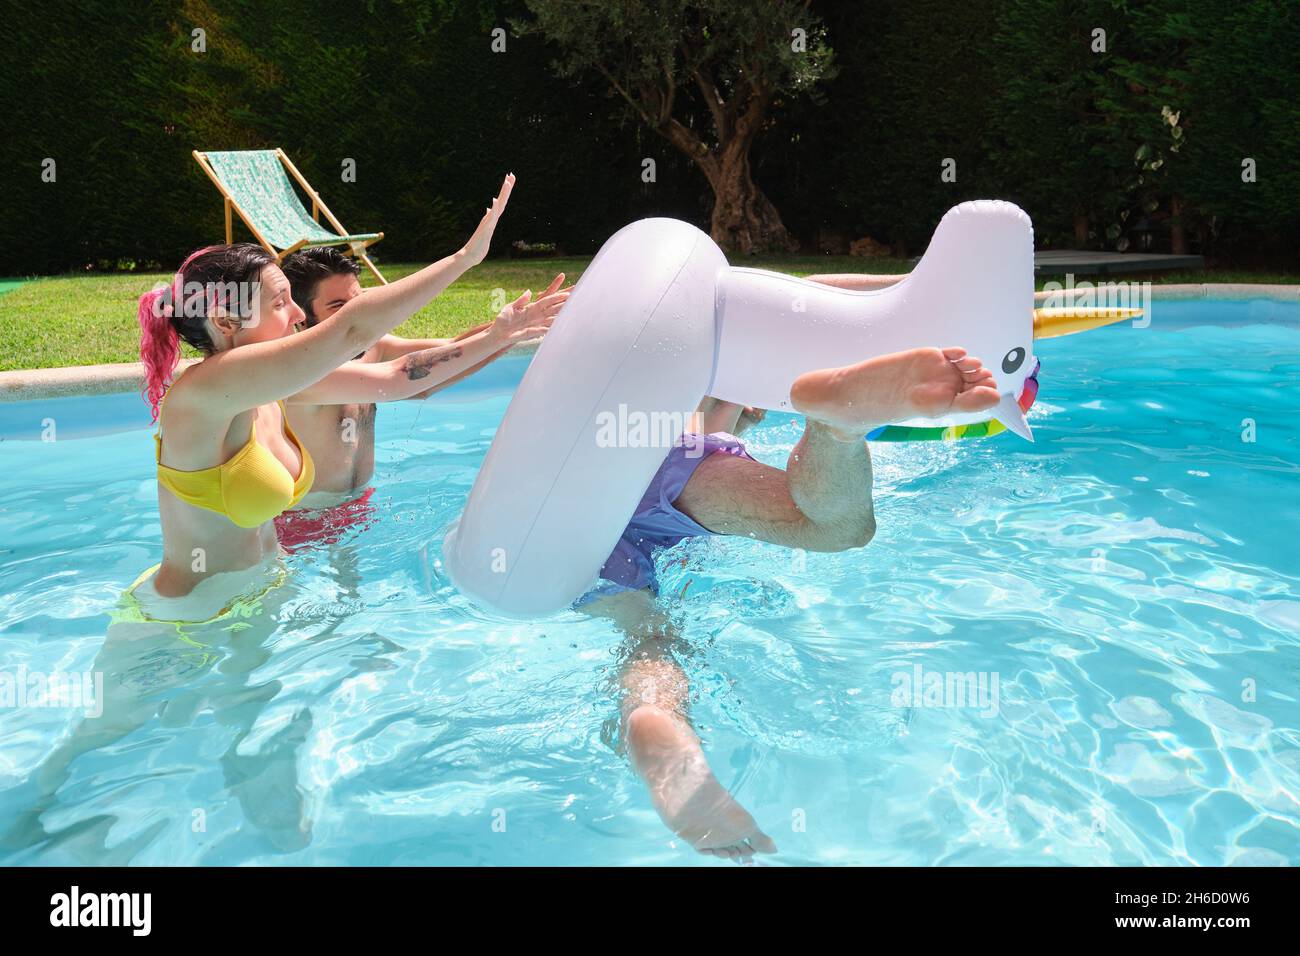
130 610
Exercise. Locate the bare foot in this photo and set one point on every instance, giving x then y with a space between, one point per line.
684 790
918 383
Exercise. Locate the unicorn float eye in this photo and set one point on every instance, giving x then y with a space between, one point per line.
1013 360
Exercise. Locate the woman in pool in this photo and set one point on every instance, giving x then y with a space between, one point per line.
228 463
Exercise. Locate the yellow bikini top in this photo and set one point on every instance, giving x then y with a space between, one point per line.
250 489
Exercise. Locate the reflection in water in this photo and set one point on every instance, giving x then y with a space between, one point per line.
1130 578
190 678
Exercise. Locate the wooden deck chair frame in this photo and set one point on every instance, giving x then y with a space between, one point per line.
355 249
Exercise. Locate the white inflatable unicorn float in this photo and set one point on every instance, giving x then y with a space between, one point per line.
659 320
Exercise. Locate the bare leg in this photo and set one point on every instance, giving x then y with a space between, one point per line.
664 750
822 501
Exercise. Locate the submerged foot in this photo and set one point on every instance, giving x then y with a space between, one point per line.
918 383
684 790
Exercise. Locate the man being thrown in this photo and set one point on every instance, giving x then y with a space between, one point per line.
708 484
341 437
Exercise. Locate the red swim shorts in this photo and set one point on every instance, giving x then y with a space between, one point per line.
300 529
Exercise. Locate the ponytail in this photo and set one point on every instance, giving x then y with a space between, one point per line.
160 345
169 317
162 325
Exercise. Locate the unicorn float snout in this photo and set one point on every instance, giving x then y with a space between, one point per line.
1012 417
1007 350
1046 323
1018 394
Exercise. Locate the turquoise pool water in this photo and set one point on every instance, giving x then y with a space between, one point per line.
1130 581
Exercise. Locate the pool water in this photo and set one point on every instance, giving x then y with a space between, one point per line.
1129 581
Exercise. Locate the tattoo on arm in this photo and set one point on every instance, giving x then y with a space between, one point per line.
419 364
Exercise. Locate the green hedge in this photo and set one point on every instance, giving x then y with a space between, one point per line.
412 91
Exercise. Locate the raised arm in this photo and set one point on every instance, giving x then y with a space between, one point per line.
856 281
422 372
460 375
404 377
257 373
553 288
394 346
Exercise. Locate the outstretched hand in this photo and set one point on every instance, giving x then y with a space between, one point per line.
526 317
476 249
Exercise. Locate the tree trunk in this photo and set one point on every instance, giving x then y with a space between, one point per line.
1177 234
1081 229
744 219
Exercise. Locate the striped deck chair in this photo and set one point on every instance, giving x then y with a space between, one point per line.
255 184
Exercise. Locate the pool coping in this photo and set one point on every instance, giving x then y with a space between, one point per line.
30 384
27 385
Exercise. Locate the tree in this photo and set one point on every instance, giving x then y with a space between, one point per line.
1245 83
704 75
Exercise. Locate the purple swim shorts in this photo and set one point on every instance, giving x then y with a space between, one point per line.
657 523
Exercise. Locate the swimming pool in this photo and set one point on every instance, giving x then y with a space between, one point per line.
1124 592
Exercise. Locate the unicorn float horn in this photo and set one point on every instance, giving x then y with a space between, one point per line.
1050 323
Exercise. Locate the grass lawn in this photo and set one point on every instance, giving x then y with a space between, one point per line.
90 319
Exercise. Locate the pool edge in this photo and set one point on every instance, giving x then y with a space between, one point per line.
27 385
30 384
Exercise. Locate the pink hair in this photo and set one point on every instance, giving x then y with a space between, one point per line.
160 343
